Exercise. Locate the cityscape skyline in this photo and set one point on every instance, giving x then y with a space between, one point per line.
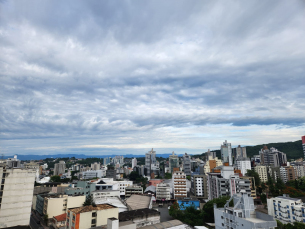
124 77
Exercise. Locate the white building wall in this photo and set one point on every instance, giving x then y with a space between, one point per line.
17 197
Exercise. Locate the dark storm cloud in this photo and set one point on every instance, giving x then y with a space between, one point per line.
135 73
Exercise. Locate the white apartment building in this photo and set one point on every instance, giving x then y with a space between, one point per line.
16 194
286 209
179 182
163 191
109 183
299 170
242 215
243 164
199 186
262 172
133 162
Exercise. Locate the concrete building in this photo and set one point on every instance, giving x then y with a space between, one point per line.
179 182
288 173
286 209
106 160
109 183
243 164
133 162
252 185
262 172
299 170
211 163
13 162
151 164
163 191
274 172
172 224
90 216
272 157
111 173
59 168
118 160
90 174
58 204
173 162
226 153
303 145
155 182
242 215
16 194
141 217
131 190
239 152
187 164
96 166
150 190
226 183
199 186
105 193
81 188
210 154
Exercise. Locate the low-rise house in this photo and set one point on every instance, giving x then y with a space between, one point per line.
141 217
90 216
150 190
59 222
114 201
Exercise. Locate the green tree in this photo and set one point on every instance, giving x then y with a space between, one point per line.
168 176
46 219
55 178
133 176
264 198
254 174
208 208
88 201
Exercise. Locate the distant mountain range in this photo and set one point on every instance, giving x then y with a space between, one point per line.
292 149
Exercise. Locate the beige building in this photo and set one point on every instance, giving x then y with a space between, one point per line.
90 216
16 193
54 206
179 182
252 186
211 164
262 172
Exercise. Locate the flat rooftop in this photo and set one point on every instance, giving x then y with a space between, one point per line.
90 208
287 198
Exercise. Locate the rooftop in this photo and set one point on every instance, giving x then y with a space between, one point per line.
288 198
60 218
129 215
167 224
138 201
90 208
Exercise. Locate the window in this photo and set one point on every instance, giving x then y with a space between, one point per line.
93 221
93 214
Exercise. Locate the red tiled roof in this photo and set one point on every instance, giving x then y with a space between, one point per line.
61 217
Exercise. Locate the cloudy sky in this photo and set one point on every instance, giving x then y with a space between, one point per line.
119 77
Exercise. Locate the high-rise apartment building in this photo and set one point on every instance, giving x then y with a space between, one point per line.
107 160
133 162
262 172
272 157
211 163
243 164
173 162
187 164
210 154
239 152
118 160
179 182
303 145
199 186
151 163
16 194
226 153
59 168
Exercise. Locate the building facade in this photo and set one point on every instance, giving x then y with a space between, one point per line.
243 164
59 168
187 164
226 153
90 216
242 215
286 209
262 172
133 162
173 162
163 191
130 190
16 194
179 183
199 186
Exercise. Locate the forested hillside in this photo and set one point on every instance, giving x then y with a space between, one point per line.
292 149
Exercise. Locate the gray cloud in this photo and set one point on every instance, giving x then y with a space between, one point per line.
120 76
